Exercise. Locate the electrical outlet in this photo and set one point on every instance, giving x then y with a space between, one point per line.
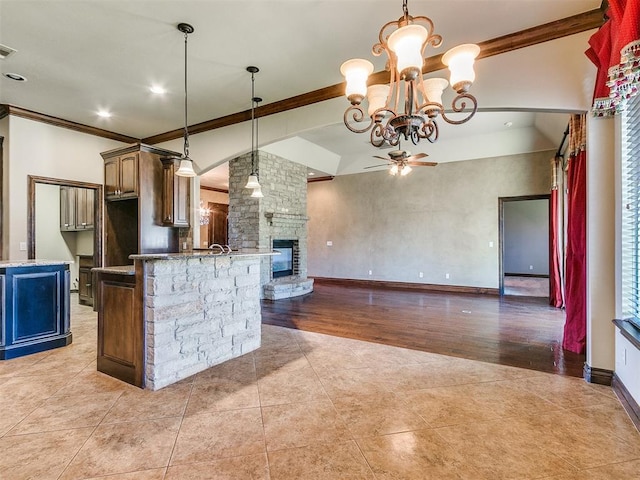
421 274
184 245
370 272
446 275
329 243
530 267
490 244
23 246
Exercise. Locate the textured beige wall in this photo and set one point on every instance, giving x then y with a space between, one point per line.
437 220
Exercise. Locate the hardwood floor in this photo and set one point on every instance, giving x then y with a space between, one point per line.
516 331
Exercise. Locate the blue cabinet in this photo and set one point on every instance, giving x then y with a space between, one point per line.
34 307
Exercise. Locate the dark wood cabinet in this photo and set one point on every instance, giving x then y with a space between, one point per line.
85 280
120 328
176 195
134 212
121 176
76 209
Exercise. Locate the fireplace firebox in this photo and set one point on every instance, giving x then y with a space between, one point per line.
283 264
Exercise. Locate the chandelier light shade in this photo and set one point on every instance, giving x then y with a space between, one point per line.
409 106
186 164
253 180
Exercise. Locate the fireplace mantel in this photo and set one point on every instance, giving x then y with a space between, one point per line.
285 217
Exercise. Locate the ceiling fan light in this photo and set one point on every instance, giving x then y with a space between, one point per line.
393 170
406 170
377 97
356 71
407 43
460 61
252 181
186 168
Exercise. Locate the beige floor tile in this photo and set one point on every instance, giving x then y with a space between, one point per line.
610 418
567 392
354 382
15 366
89 380
369 415
332 359
617 471
320 462
290 386
443 406
123 448
31 389
420 454
40 456
505 449
301 424
279 362
137 405
62 412
210 436
221 394
581 441
154 474
241 369
254 467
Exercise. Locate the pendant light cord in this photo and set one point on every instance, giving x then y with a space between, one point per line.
186 129
253 102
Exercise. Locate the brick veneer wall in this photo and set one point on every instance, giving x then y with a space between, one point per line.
199 312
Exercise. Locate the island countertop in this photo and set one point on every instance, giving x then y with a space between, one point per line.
32 263
202 253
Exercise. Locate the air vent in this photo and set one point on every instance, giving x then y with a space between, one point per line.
5 51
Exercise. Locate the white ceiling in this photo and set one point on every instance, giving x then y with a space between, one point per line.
82 56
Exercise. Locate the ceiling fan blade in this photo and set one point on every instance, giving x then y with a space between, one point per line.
411 158
375 166
381 158
422 164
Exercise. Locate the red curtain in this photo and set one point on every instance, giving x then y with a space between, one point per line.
555 281
575 327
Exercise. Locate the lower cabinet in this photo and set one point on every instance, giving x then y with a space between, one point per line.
85 280
120 328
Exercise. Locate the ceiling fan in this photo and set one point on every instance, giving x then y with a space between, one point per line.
401 162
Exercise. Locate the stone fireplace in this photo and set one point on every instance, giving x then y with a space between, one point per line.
279 218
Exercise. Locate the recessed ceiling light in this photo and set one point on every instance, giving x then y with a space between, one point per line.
104 113
508 124
16 76
157 89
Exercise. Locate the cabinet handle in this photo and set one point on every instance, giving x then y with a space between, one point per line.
66 224
87 284
84 223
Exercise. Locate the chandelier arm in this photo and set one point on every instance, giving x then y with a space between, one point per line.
458 105
430 131
433 39
356 113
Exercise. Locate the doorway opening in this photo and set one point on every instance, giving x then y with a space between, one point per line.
524 245
64 222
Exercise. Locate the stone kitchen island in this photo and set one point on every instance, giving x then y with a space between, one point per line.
170 316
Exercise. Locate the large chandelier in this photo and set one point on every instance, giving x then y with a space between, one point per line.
404 42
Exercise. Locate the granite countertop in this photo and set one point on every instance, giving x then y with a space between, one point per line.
117 269
32 263
247 252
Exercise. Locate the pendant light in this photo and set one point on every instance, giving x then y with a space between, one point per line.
186 164
252 181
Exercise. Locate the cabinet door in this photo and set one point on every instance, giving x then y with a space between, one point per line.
85 287
67 209
129 175
84 208
176 193
111 178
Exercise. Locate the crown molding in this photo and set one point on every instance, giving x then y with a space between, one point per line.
59 122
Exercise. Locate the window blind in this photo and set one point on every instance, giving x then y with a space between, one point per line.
631 210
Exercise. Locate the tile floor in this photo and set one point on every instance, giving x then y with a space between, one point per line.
308 406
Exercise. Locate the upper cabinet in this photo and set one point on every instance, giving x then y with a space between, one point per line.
76 209
176 195
121 176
